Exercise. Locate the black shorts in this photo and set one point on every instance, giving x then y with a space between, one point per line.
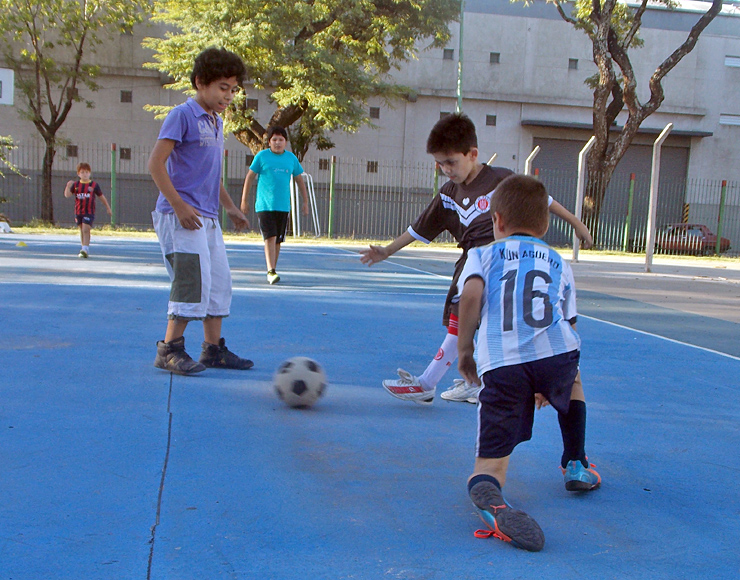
273 224
506 410
85 218
451 302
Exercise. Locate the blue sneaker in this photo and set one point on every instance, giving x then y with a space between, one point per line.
580 478
505 523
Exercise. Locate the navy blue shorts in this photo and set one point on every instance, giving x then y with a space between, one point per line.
84 218
506 409
273 224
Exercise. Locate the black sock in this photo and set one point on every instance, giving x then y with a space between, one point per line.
483 477
573 430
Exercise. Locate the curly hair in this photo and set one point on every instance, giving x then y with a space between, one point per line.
217 63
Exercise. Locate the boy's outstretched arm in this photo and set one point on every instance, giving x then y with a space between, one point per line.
379 253
238 218
186 213
469 314
68 188
580 229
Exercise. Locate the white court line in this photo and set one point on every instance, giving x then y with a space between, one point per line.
659 336
402 266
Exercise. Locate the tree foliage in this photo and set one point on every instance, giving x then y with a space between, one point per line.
6 146
49 45
614 28
322 59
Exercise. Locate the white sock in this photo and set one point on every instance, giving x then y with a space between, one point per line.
446 355
86 248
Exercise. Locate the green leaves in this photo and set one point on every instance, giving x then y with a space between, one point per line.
323 56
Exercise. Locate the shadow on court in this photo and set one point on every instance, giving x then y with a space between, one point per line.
114 469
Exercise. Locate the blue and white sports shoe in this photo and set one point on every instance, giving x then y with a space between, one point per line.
580 478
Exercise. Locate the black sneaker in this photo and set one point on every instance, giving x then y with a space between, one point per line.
218 356
505 523
171 356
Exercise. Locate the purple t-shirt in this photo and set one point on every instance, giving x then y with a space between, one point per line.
194 166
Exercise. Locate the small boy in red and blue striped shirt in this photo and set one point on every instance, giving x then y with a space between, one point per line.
85 191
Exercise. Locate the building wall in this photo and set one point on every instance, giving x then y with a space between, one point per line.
532 81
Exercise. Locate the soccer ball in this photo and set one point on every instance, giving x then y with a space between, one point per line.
300 382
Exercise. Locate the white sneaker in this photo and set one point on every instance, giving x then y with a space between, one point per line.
408 388
462 392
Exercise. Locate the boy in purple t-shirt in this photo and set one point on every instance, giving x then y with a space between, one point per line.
186 166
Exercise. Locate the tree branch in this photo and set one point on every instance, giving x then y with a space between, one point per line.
636 23
656 87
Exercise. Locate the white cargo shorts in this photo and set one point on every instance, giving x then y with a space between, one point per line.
198 268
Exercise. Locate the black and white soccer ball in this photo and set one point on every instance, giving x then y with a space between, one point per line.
300 382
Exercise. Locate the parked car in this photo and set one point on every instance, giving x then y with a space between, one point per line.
689 239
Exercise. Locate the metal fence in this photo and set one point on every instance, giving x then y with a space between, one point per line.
366 199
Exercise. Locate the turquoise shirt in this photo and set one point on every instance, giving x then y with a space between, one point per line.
273 184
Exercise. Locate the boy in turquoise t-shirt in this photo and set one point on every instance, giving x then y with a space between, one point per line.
275 167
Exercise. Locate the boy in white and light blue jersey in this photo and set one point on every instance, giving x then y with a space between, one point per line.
529 301
522 294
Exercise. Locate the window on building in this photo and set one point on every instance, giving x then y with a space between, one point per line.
733 61
372 166
323 165
491 120
729 119
494 58
72 93
572 64
125 154
71 150
448 54
253 104
375 112
127 96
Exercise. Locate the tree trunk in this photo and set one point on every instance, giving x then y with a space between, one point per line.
600 171
47 203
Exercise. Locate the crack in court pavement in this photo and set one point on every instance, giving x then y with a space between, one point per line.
161 484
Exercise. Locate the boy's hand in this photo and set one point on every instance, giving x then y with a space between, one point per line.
467 368
238 218
189 216
70 183
540 401
374 255
585 236
109 211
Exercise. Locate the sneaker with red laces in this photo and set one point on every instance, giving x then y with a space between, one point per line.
579 477
408 388
505 523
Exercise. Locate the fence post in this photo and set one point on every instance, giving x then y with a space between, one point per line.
530 159
224 181
113 187
628 223
436 180
581 190
332 174
721 217
653 209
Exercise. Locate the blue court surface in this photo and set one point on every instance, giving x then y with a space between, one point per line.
112 469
